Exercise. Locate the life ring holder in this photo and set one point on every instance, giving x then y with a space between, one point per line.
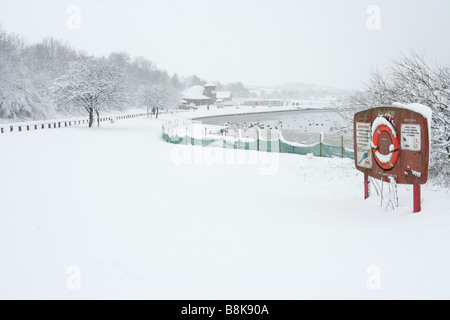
389 161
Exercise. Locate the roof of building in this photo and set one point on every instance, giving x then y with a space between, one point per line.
210 84
195 93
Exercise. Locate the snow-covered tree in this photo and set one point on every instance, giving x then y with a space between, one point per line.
175 82
193 80
238 90
157 96
91 84
17 98
48 60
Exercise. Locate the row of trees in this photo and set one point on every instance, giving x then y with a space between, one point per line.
50 79
410 79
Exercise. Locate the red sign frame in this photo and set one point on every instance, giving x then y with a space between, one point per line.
401 136
413 159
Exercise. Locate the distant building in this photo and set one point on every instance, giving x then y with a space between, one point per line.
210 91
207 94
196 96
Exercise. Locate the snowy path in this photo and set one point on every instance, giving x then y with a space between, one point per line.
115 203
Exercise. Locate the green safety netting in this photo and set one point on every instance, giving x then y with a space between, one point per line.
318 149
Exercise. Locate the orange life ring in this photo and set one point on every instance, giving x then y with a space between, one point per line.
389 164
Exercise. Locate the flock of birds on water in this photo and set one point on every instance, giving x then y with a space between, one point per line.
298 129
278 126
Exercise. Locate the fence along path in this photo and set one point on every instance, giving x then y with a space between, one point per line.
55 124
179 132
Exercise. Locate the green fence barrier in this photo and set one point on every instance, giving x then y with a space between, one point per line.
318 149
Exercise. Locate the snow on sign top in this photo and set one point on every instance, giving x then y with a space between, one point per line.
425 111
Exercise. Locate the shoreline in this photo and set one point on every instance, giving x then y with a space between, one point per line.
266 112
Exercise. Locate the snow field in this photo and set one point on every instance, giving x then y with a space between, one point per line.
112 202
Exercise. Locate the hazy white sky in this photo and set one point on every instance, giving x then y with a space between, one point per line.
261 42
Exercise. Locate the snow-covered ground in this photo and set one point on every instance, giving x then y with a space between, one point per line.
115 212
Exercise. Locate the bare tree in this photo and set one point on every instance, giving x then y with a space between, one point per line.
92 84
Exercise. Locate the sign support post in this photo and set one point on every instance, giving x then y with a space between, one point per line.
416 196
366 185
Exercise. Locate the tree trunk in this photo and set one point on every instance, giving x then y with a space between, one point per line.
157 112
98 117
91 118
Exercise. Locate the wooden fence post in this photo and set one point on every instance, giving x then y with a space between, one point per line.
257 140
224 141
320 146
239 139
279 141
